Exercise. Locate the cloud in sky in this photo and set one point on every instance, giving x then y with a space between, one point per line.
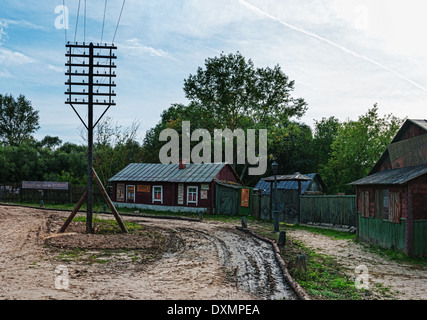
343 55
332 43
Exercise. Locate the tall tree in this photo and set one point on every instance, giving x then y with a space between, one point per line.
230 93
325 133
231 90
357 147
18 119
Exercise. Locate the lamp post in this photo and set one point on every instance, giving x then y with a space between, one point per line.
274 167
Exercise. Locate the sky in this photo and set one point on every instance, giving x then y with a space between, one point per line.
344 55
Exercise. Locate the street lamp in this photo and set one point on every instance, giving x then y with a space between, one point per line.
274 167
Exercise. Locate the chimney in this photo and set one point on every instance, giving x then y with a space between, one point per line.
181 164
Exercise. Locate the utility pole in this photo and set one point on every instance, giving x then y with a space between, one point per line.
84 66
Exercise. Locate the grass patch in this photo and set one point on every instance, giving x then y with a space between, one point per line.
323 277
395 255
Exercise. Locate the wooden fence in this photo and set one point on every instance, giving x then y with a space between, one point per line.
333 210
13 192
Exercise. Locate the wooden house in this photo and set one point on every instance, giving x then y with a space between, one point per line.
392 199
205 187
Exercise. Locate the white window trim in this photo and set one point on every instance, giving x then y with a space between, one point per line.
161 194
197 195
134 193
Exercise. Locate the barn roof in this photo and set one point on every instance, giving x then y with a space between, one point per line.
159 172
392 177
288 184
409 122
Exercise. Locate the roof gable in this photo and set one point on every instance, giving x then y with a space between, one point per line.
410 129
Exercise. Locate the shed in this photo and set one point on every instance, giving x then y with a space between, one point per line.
288 194
308 187
181 187
392 199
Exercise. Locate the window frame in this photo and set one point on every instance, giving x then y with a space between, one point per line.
196 202
161 194
134 193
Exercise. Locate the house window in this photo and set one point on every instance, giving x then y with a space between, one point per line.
130 193
192 195
158 194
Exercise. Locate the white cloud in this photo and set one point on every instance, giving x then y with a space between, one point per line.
134 47
3 25
12 58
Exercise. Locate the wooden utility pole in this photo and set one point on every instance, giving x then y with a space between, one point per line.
84 66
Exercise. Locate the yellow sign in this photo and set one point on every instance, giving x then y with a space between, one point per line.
143 188
245 198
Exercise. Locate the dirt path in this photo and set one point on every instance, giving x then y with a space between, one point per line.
206 260
407 282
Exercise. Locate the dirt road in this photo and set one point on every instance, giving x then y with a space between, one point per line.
197 260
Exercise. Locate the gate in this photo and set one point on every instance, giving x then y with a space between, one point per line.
226 200
287 205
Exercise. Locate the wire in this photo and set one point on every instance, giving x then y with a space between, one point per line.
65 22
121 11
84 33
77 22
103 21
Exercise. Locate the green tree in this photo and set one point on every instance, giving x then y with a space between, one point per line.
229 92
325 133
357 147
18 119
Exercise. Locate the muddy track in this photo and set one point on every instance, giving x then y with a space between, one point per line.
197 260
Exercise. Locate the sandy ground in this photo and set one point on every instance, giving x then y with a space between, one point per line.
193 260
406 281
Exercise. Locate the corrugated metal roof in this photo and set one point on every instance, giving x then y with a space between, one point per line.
289 177
286 184
392 177
158 172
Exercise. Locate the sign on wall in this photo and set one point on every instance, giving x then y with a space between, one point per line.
203 194
45 185
245 198
180 193
143 188
408 153
120 195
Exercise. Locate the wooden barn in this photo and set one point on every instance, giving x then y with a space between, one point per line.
206 187
392 199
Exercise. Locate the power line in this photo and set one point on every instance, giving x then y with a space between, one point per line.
121 11
103 21
65 22
77 21
84 32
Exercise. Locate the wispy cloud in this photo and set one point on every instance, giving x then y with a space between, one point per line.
332 43
11 58
135 47
3 26
23 24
